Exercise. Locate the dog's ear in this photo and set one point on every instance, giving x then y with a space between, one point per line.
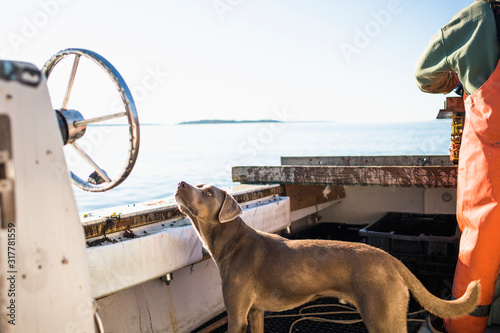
230 209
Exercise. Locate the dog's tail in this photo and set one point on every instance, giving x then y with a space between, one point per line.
441 308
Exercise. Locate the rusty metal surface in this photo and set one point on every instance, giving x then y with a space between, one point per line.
393 160
453 105
404 176
302 196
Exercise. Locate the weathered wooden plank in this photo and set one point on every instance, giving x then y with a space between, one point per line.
406 160
302 196
404 176
121 222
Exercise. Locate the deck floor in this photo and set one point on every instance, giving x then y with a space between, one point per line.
293 320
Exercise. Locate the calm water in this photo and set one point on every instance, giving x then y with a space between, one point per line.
206 153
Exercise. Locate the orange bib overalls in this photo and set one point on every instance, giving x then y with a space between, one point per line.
478 197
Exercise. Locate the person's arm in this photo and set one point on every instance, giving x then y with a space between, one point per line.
433 71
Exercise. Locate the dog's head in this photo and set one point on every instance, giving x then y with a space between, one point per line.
206 203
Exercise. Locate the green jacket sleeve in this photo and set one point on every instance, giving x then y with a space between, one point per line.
465 50
433 72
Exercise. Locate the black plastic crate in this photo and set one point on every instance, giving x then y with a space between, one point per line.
330 231
414 234
434 271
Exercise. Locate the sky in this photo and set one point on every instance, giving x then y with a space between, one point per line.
289 60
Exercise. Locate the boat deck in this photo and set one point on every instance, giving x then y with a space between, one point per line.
323 315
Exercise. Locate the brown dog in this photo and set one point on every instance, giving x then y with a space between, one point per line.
265 272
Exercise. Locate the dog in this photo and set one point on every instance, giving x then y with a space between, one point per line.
265 272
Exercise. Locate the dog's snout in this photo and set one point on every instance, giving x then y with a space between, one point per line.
181 187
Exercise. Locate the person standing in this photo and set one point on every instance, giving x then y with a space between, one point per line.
467 51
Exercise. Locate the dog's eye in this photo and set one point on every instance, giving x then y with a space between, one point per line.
208 193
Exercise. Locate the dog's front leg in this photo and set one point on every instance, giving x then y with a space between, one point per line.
236 323
256 321
237 308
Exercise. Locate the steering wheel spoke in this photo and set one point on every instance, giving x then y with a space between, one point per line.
70 82
100 119
87 158
74 120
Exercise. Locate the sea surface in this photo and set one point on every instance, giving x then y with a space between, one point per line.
205 153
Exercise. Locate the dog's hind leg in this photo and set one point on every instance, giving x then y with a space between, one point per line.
256 321
384 311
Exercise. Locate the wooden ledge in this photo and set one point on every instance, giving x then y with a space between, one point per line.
402 176
121 218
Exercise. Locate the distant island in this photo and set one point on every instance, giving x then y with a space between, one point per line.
221 121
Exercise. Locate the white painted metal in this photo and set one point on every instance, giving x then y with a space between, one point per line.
367 204
303 212
269 215
125 264
440 201
193 297
52 289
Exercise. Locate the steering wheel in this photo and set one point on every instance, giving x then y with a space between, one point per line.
73 125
